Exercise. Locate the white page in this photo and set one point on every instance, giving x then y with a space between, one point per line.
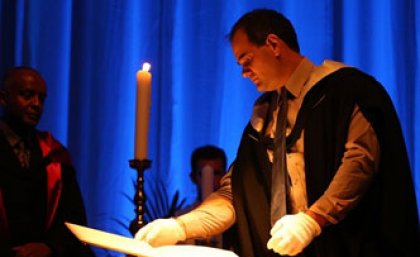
135 247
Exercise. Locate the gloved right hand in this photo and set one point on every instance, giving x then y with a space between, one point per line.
292 233
162 232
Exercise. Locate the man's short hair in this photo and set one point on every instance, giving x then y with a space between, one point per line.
259 23
9 74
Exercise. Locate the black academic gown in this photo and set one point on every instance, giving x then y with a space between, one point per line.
34 203
384 223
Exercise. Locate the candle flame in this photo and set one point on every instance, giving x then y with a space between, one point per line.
146 66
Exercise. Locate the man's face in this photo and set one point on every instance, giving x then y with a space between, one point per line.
23 98
259 63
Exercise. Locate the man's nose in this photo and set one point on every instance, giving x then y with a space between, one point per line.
37 101
245 72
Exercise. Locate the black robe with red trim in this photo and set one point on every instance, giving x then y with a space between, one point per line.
35 202
384 223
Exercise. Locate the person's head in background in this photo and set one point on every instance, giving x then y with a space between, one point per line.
22 95
204 158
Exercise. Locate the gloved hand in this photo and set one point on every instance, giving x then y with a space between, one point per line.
292 233
161 232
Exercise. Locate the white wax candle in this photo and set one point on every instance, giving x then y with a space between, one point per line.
143 100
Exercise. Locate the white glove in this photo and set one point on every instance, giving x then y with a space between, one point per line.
161 232
292 233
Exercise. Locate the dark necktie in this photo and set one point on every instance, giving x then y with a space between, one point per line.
22 153
279 169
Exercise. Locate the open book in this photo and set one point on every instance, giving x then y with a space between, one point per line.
139 248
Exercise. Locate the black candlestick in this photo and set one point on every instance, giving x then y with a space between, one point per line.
140 166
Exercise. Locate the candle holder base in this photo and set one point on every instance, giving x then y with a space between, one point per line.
140 166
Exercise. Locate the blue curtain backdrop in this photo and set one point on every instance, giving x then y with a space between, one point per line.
89 52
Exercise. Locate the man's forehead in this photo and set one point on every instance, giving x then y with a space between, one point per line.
241 45
25 78
215 163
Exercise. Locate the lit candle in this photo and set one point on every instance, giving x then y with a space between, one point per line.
143 100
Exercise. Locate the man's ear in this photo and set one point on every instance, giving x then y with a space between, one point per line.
274 42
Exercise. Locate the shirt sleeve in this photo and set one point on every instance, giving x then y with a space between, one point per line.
214 215
355 174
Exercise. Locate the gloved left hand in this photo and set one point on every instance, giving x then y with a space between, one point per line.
161 232
292 233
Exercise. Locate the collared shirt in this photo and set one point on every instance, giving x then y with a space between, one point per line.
11 136
21 147
359 163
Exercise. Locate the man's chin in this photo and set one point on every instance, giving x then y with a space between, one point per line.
31 122
261 88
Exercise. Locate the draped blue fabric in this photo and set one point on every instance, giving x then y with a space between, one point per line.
89 52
